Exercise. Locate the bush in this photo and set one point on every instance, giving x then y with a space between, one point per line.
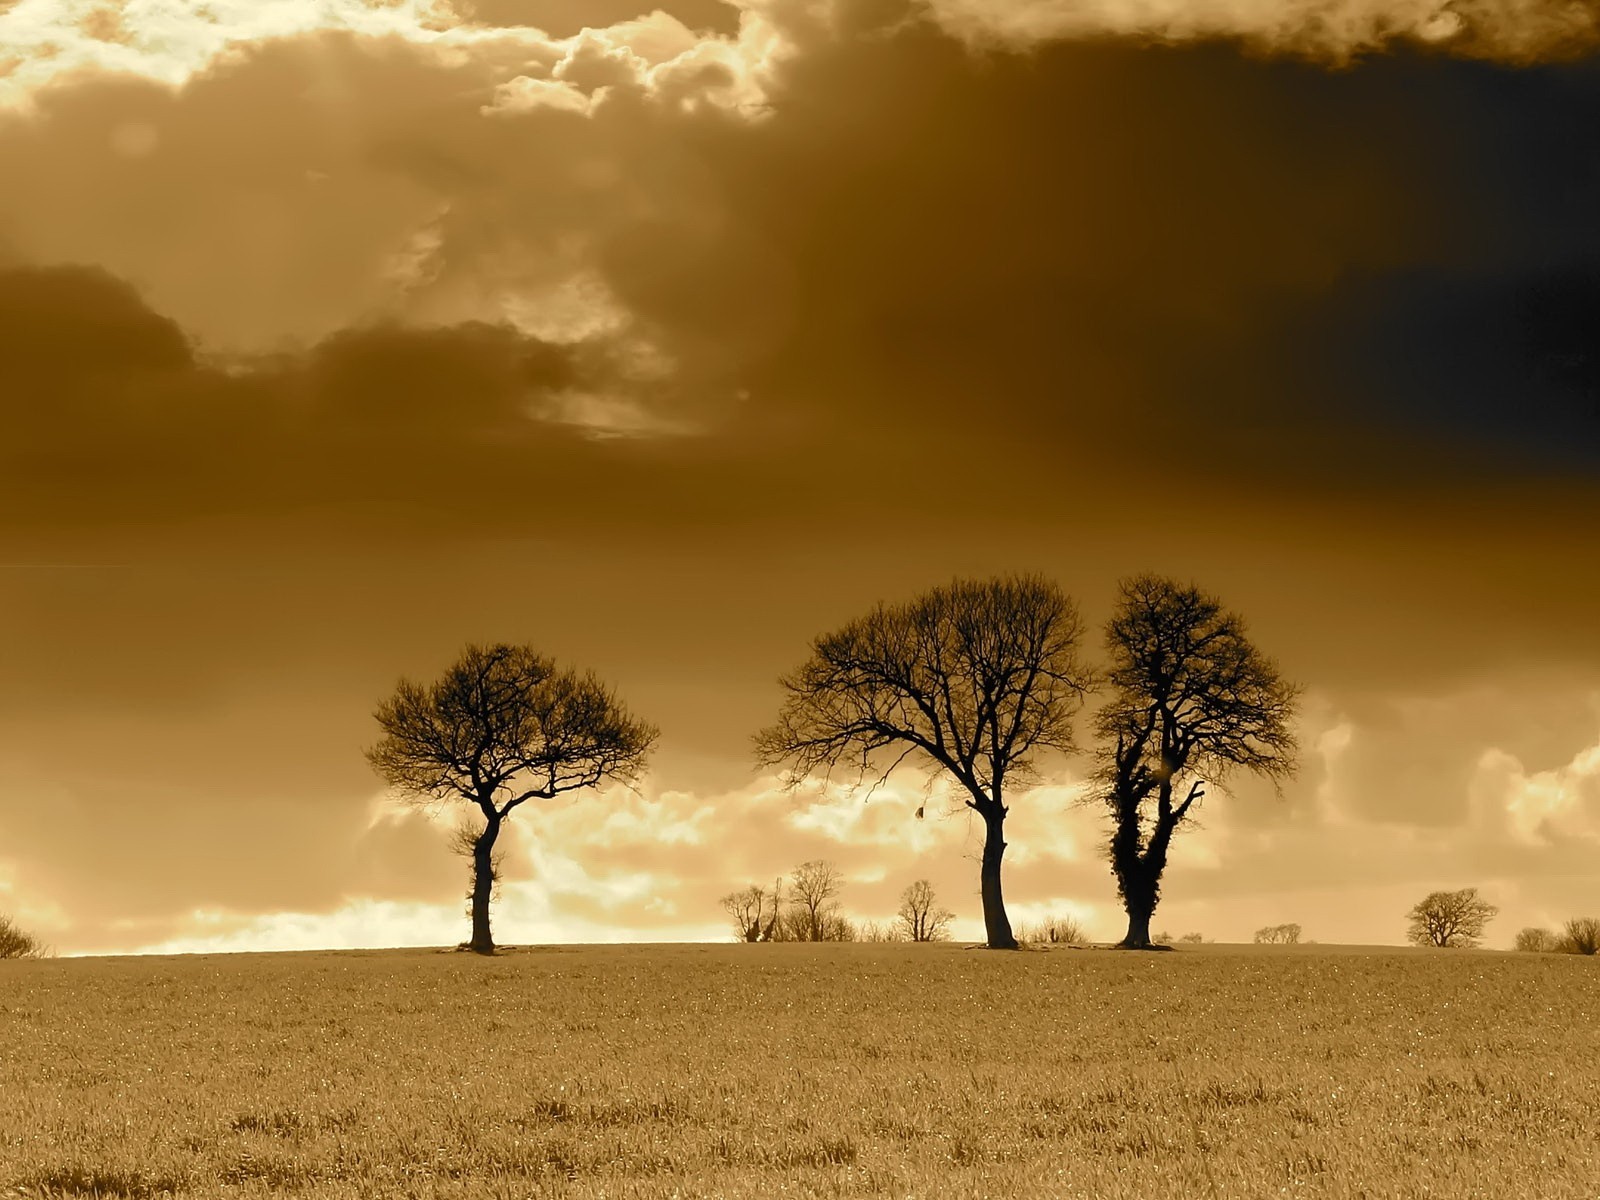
1193 939
1534 940
1583 936
1053 930
18 943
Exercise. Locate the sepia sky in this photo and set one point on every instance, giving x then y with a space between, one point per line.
335 334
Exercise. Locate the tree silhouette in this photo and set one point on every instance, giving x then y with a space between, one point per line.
813 915
500 727
1278 935
754 913
1534 940
921 915
1191 700
974 679
1582 936
1450 919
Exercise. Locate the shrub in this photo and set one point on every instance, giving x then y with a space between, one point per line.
1193 939
18 943
1058 930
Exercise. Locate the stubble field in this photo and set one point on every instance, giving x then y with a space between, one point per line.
803 1071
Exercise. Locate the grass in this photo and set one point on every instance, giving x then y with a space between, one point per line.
790 1070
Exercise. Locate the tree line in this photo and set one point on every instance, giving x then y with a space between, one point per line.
978 681
805 909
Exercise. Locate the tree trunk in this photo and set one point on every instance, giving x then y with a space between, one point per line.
995 922
1139 879
483 887
1138 935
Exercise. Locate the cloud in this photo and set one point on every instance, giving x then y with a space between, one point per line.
1521 30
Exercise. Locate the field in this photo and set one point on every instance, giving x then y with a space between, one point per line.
803 1071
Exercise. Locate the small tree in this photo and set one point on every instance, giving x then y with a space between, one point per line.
921 916
1582 936
1450 919
1193 939
976 679
751 915
16 942
1278 935
811 903
1534 940
1192 700
500 727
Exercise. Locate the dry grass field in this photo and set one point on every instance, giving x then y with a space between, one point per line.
929 1071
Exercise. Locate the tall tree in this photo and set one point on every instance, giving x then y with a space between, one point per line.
976 679
1191 700
1450 919
921 915
500 727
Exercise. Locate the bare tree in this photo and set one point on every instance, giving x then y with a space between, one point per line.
1450 919
1534 940
1582 936
1278 935
921 915
16 942
811 892
1192 700
975 679
500 727
749 912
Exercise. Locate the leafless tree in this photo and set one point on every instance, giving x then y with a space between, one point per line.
1191 700
1278 935
1450 919
16 942
921 915
976 679
1534 940
1582 936
749 912
811 904
502 726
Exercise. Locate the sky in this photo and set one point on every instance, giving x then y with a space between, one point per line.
335 335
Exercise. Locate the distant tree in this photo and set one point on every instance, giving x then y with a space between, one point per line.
1193 939
1450 919
975 679
921 915
500 727
813 914
16 942
1278 935
1582 936
1057 930
749 911
1191 701
1534 940
1162 939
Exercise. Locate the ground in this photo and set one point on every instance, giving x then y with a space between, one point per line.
803 1071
